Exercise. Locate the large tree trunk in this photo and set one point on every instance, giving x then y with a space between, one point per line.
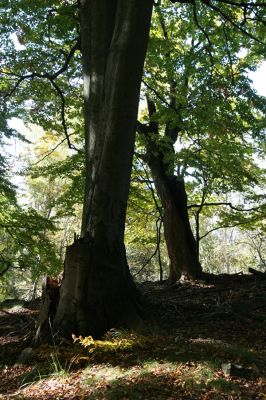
179 238
180 241
97 292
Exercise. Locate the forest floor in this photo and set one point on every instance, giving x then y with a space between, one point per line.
211 344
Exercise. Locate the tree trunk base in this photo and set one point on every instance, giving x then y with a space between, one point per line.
96 294
50 299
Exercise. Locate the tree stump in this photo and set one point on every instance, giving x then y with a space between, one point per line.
50 299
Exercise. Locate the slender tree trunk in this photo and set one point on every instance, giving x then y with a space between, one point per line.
97 292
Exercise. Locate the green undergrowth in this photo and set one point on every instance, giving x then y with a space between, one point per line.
170 348
124 348
51 367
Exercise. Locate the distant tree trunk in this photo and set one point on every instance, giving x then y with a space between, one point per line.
97 292
180 241
179 238
33 290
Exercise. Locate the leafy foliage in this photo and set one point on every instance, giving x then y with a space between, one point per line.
196 73
24 242
207 123
200 86
113 341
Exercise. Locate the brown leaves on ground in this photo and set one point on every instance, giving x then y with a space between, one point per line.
210 345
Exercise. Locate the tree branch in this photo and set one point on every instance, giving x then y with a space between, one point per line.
224 204
8 266
232 3
228 53
77 46
6 262
222 227
45 75
63 105
51 78
159 209
49 152
208 48
242 3
158 240
156 93
161 98
227 18
143 128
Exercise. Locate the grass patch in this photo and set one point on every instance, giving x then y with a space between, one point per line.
53 367
223 385
221 350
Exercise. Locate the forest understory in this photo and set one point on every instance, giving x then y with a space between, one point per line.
203 341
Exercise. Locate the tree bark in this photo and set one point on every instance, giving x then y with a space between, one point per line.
97 291
180 241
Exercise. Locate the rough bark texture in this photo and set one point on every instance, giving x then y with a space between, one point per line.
97 292
50 299
180 242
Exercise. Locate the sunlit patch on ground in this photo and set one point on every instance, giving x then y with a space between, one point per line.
195 358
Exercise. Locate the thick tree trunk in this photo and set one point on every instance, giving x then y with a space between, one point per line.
180 241
97 292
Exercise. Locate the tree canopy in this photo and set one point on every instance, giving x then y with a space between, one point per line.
207 123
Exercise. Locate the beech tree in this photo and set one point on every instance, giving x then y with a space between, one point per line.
114 38
199 100
97 292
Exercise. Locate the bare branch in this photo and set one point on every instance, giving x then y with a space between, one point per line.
157 248
224 204
49 152
224 226
77 46
62 97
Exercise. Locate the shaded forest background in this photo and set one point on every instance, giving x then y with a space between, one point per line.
195 69
196 201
